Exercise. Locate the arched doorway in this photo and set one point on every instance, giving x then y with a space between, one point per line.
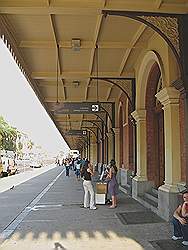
155 129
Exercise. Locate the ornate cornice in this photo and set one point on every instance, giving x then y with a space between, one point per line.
139 115
168 26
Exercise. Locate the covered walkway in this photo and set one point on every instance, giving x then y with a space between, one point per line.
44 213
113 77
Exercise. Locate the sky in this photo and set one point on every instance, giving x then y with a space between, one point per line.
21 108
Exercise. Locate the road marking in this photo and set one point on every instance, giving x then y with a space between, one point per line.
14 224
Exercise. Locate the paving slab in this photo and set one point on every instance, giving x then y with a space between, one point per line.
56 221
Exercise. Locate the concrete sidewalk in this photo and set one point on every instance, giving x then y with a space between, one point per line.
56 221
14 180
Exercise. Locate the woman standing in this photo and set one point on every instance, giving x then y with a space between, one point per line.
113 185
87 172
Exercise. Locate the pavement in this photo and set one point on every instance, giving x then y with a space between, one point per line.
44 213
14 180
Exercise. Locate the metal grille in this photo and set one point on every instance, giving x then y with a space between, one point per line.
167 245
139 218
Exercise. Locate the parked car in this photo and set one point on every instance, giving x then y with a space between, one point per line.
35 164
13 170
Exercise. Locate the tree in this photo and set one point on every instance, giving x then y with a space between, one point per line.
30 144
8 136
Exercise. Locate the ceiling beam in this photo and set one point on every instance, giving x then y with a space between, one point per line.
80 7
51 76
62 119
48 2
52 22
92 55
158 3
48 10
137 35
148 6
84 45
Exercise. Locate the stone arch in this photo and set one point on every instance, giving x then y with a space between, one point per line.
154 129
149 72
148 61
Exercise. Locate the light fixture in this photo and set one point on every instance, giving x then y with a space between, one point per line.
76 83
76 43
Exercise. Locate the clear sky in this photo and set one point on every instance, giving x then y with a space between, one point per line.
21 108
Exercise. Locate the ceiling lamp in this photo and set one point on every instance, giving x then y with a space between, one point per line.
76 83
76 43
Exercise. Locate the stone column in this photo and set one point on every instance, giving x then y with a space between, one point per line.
117 139
85 152
116 131
110 145
140 184
168 193
93 157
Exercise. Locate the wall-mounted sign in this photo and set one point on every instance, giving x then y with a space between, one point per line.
95 107
78 108
77 132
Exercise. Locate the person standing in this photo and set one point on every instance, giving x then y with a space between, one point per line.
113 184
67 167
87 172
78 165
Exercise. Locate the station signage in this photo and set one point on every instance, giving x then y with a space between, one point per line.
77 132
78 108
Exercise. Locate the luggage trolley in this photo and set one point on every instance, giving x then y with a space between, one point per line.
101 193
102 188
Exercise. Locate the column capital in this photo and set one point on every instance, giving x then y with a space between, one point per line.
168 95
116 130
139 115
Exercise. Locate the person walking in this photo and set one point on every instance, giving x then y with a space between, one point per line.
87 172
113 184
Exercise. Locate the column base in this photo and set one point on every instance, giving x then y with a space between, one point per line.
125 177
168 200
140 185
